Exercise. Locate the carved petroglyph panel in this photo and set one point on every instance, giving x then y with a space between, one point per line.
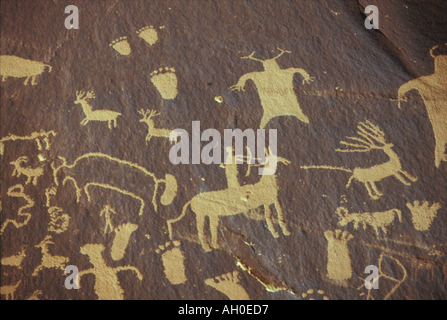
103 195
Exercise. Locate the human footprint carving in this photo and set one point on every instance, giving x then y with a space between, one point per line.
121 45
122 236
173 262
229 285
165 80
422 214
339 263
148 34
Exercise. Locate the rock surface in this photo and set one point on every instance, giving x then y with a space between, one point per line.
86 177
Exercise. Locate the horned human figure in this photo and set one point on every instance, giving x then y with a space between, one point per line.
433 89
275 87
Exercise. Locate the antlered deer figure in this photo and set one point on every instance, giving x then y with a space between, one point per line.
152 131
49 261
372 139
98 115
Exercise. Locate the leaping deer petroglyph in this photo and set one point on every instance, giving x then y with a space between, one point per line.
31 173
275 88
373 138
48 260
233 201
152 131
97 115
376 220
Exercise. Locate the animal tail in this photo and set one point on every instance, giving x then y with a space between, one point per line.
171 221
326 168
49 67
399 214
349 182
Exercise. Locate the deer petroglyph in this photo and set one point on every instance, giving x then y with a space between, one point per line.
97 115
373 138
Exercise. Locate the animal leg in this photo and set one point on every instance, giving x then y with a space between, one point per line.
281 220
33 80
110 124
26 81
214 225
200 219
268 218
28 180
84 122
402 179
35 180
370 191
37 270
409 176
376 191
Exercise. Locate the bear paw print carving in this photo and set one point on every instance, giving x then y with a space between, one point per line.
148 34
165 81
122 46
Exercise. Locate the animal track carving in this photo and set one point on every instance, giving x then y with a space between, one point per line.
229 285
11 66
422 214
121 45
339 263
148 34
311 294
166 82
173 262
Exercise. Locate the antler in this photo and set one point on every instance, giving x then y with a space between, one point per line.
147 114
282 52
370 134
251 57
80 94
90 95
